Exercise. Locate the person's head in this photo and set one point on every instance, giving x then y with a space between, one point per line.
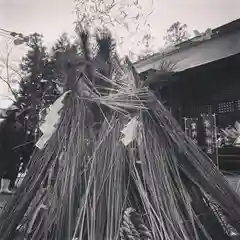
12 113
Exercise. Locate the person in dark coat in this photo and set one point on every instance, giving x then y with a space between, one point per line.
11 139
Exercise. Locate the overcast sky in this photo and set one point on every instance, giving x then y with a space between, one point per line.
52 17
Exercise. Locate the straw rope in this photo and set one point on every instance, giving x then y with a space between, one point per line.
221 218
133 227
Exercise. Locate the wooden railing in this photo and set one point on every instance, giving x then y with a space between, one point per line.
229 158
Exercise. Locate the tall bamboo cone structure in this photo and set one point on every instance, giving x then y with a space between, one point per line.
135 176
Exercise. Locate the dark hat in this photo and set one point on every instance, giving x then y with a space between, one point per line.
12 110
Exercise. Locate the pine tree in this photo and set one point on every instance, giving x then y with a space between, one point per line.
37 89
62 43
60 46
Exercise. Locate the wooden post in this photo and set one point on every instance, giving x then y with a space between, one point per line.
185 125
215 137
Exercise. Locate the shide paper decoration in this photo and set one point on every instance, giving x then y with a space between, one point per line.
130 131
51 121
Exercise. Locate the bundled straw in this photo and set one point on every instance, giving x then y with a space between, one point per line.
87 184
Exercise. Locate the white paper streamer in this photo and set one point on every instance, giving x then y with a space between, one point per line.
51 120
130 131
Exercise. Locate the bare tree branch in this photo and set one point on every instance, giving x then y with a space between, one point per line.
9 87
9 73
7 97
128 15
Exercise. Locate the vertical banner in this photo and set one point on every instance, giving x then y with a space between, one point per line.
209 124
191 128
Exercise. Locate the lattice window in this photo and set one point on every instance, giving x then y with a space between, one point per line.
206 109
237 105
226 107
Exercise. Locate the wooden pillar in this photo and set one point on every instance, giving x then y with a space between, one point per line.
175 103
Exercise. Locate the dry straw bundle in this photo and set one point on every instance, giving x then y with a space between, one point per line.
134 176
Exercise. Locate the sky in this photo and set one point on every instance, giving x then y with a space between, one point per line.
52 17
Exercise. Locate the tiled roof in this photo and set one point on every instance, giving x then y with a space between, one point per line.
215 44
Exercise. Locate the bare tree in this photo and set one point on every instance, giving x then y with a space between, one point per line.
126 19
9 75
176 33
148 49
